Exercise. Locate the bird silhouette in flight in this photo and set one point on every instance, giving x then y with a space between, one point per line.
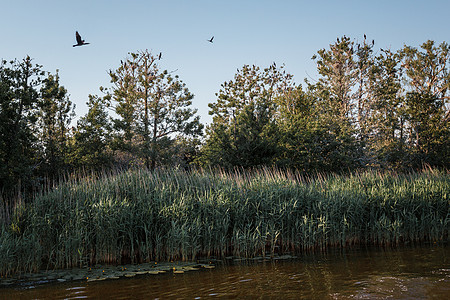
211 39
80 42
159 56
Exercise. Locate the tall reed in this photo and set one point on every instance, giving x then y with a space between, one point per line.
140 215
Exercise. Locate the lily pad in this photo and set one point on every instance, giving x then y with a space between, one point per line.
141 272
7 282
209 267
78 277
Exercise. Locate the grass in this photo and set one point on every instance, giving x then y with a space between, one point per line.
142 216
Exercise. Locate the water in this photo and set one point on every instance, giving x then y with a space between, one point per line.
407 273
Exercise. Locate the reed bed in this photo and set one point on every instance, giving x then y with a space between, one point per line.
141 216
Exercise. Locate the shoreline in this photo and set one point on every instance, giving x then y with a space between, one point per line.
141 216
114 272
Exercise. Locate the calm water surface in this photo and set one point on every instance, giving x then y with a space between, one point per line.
407 273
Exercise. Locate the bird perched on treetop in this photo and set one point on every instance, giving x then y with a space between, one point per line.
80 42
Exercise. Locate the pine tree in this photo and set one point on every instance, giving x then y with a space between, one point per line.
337 97
387 119
243 132
427 102
19 99
304 143
91 142
55 115
153 106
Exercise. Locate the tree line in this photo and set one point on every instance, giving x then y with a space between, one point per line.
368 108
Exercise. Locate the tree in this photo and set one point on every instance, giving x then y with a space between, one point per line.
55 115
427 102
386 140
153 106
19 101
335 87
90 147
337 95
186 152
306 144
429 133
243 132
364 63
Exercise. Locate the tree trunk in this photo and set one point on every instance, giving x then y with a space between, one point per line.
155 132
146 131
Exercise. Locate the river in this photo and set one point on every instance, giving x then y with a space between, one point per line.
374 273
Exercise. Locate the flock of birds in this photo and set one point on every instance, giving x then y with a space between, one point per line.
81 42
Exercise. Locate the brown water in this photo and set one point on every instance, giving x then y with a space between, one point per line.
407 273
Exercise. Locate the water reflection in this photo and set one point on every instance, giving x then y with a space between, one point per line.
420 273
77 292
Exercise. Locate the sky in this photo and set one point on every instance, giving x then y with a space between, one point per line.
245 32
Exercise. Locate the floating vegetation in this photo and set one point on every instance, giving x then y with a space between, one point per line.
101 273
142 216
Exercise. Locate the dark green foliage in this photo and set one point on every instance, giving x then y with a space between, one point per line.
429 133
386 111
141 216
55 114
390 111
244 131
367 109
92 138
19 104
153 106
309 140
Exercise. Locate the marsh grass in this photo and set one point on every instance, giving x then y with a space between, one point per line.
141 216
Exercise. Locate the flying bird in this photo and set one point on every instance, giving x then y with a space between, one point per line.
159 56
211 39
80 42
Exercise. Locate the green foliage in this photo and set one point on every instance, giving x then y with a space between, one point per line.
427 103
244 132
386 111
167 215
386 140
152 105
429 133
338 72
55 114
19 101
92 138
308 141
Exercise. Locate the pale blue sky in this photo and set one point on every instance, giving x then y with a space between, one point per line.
246 32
